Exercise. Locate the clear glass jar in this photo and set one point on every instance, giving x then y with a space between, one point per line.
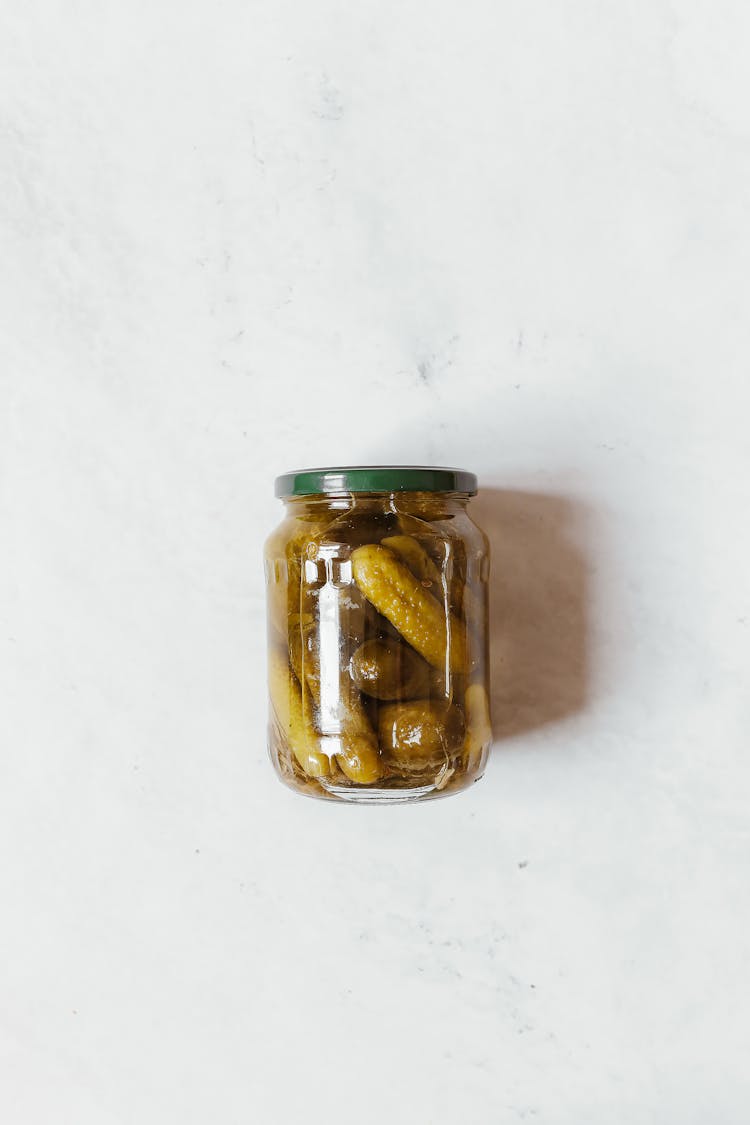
377 634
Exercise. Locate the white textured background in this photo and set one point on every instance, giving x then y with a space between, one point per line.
242 237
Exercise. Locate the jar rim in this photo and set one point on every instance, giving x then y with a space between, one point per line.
375 478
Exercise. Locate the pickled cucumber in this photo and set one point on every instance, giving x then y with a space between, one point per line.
425 506
410 551
478 729
387 669
420 734
339 716
293 710
284 551
400 597
359 757
280 687
295 653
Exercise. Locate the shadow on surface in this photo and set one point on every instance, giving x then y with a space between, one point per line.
538 607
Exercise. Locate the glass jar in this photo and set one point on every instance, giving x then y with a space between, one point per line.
377 634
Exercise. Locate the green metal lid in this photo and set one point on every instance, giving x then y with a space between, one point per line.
375 478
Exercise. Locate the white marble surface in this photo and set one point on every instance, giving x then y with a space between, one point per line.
239 238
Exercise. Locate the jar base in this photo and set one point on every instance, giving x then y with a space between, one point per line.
374 796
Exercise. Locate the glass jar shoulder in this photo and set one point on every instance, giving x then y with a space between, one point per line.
296 530
459 525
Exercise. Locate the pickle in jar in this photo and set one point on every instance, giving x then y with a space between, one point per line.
293 709
411 552
388 669
333 625
399 596
478 729
420 734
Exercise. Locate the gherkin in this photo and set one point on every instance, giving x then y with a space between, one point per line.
401 598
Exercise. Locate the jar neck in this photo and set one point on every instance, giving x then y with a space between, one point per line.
424 505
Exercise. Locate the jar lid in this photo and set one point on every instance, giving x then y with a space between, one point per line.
375 478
